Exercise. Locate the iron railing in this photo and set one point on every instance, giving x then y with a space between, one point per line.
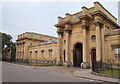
107 69
30 62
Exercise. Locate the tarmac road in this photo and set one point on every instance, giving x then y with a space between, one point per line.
16 73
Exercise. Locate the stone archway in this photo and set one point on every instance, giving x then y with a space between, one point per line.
77 54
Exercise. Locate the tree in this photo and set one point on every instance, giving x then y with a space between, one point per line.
6 40
13 51
7 45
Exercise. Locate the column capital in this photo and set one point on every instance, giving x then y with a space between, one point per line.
59 30
59 25
84 20
85 26
60 33
98 23
68 31
84 17
67 28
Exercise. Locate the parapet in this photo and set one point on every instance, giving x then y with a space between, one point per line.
86 11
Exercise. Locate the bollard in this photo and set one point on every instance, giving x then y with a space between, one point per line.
34 66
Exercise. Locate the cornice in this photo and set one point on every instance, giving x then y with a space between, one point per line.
28 38
112 33
99 13
115 45
84 17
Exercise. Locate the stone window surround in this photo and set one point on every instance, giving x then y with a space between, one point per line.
50 52
116 46
117 53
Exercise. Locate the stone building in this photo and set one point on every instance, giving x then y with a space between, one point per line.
86 36
33 46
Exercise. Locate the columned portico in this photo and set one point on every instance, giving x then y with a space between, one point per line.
84 40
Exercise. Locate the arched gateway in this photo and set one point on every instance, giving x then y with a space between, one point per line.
77 55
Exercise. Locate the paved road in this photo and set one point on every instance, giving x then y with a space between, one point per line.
16 73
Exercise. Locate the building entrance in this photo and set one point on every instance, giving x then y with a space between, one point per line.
78 55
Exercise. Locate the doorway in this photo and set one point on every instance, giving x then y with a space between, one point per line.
64 56
78 54
93 55
93 58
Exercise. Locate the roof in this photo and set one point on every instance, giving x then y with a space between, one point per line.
41 34
38 34
48 42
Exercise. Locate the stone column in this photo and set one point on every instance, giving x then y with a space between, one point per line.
59 31
85 64
21 50
17 50
59 49
103 45
67 58
84 44
98 41
67 45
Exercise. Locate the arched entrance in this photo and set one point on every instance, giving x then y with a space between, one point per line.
93 58
77 54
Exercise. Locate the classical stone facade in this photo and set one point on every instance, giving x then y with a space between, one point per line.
89 35
33 46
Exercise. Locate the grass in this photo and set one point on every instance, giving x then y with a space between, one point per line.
110 72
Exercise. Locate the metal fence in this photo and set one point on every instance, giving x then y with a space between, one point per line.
30 62
106 69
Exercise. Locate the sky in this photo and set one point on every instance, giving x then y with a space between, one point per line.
40 17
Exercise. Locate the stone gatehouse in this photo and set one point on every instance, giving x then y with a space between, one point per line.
86 36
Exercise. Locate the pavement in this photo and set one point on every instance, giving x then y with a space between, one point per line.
78 72
75 72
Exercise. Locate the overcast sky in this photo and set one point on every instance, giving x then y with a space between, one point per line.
40 17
